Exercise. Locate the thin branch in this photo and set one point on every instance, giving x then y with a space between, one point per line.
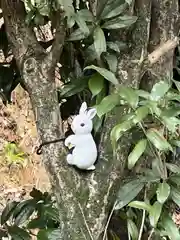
151 233
60 34
162 50
108 221
85 222
142 225
143 220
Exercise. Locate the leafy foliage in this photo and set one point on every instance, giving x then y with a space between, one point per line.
18 219
161 178
13 154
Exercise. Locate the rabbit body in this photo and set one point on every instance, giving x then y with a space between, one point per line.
84 153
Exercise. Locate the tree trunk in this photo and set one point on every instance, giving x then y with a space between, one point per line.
85 199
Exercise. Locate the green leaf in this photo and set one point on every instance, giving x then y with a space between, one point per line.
153 107
86 15
128 192
82 24
173 167
158 167
48 234
175 178
159 90
170 227
115 11
111 6
175 143
107 104
21 206
171 123
127 117
150 176
96 84
158 140
142 93
141 113
105 73
52 213
28 5
43 7
70 21
68 6
129 94
171 112
120 22
77 35
97 124
113 235
163 192
116 46
177 83
40 223
18 233
136 153
99 41
90 54
113 46
132 229
172 96
175 195
112 62
29 17
119 130
25 214
155 213
140 205
7 212
71 89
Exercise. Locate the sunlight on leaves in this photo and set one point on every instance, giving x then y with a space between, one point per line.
136 153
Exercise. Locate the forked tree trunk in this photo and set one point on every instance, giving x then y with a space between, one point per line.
85 199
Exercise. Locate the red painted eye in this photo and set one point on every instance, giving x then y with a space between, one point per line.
82 124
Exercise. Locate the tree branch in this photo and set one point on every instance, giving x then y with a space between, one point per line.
162 50
22 37
60 34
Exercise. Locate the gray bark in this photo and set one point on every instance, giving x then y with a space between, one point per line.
85 199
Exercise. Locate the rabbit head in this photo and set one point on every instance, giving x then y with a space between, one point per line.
82 123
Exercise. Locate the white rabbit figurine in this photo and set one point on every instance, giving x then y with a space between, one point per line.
84 153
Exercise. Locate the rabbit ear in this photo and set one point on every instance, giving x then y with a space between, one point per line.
83 108
91 113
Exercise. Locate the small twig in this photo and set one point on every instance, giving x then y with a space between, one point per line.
107 224
162 50
151 233
85 222
143 220
142 225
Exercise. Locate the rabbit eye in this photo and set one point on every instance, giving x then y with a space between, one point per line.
82 124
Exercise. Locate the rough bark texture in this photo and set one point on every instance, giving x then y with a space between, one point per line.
85 199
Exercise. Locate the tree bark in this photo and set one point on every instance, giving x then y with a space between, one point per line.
85 199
